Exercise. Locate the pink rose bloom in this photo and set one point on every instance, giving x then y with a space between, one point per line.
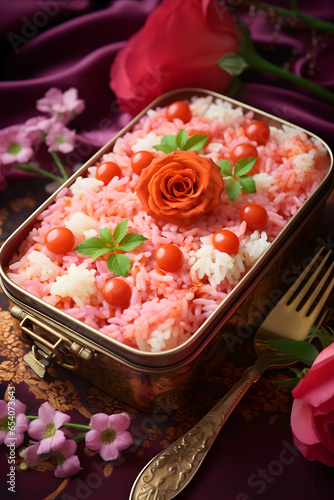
178 46
13 422
46 428
109 435
312 415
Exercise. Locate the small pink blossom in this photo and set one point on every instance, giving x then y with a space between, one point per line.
63 105
37 126
60 138
13 422
46 428
109 435
31 457
68 462
15 145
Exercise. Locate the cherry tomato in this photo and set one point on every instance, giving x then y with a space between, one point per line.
140 160
117 292
59 240
254 215
226 241
258 131
107 170
244 150
169 258
179 109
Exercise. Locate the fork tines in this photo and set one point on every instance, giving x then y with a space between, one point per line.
300 294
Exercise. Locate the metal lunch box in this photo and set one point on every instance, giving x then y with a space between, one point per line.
165 380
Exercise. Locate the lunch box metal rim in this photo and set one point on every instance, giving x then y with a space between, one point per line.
88 336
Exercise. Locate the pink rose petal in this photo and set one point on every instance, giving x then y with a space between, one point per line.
301 422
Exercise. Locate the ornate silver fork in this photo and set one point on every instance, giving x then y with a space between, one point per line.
164 477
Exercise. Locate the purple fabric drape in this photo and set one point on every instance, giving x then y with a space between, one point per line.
64 44
73 43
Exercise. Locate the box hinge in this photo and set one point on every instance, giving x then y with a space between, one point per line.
48 345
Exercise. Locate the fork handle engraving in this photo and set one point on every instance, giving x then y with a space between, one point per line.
171 470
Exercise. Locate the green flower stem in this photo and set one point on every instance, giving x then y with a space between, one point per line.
78 426
314 22
30 168
257 62
59 165
79 437
74 426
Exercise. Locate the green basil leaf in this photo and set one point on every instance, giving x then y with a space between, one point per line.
232 63
233 189
297 349
196 142
181 139
131 241
167 144
225 168
169 140
98 252
91 245
248 184
106 236
119 264
120 231
164 148
95 247
243 166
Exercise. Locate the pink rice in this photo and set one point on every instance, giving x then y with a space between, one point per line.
167 308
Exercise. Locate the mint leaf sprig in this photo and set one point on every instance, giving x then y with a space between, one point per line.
108 241
238 179
181 141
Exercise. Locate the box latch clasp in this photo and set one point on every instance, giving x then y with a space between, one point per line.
48 345
38 361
